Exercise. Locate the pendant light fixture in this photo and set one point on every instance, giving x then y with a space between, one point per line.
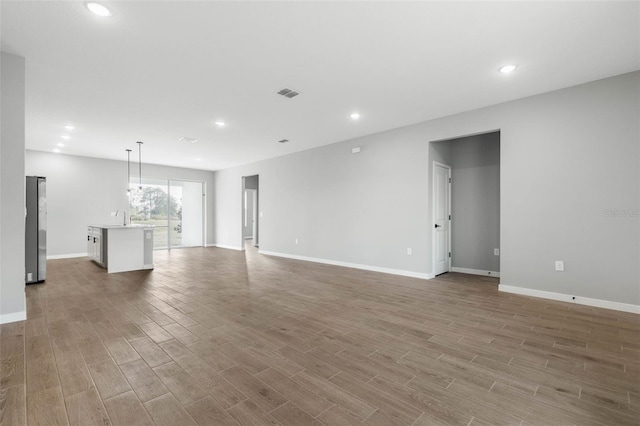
128 172
140 164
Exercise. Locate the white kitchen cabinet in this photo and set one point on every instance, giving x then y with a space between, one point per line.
121 248
96 239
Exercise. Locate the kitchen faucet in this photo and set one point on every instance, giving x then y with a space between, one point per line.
124 218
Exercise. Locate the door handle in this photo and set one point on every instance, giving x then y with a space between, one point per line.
438 226
88 237
94 239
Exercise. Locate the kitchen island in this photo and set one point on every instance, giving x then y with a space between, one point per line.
121 248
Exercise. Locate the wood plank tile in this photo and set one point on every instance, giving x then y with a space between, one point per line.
291 415
13 409
245 360
225 394
126 410
396 410
12 371
263 395
436 410
180 384
85 408
333 393
181 354
156 332
337 415
210 354
108 379
152 354
249 334
42 373
74 377
308 401
167 411
248 413
46 407
311 363
145 383
207 412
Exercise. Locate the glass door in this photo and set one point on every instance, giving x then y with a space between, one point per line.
174 208
186 224
149 205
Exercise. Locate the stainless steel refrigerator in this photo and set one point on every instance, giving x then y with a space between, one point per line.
36 230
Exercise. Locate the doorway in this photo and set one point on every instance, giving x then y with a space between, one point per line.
441 218
472 238
250 211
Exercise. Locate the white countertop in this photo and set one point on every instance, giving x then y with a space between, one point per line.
132 226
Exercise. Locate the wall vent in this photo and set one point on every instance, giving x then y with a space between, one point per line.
288 93
283 141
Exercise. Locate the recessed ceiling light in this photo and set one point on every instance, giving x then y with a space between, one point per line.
65 137
198 159
506 69
98 9
60 144
355 116
186 139
69 127
220 123
56 150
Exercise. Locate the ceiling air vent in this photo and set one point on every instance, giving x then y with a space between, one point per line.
188 140
283 141
288 93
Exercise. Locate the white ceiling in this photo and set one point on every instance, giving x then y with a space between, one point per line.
158 71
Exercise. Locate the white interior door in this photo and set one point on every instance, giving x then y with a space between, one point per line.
254 215
441 218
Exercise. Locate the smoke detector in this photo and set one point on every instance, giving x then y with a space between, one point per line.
288 93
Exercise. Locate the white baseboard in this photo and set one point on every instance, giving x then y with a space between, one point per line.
598 303
475 271
227 247
66 256
351 265
16 316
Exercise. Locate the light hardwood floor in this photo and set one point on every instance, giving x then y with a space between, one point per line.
217 337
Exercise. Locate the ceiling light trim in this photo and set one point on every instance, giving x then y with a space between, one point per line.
98 9
507 69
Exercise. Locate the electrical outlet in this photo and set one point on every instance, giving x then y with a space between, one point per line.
559 265
409 252
496 252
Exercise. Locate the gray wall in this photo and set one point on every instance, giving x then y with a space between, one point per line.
567 157
12 189
82 191
475 202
